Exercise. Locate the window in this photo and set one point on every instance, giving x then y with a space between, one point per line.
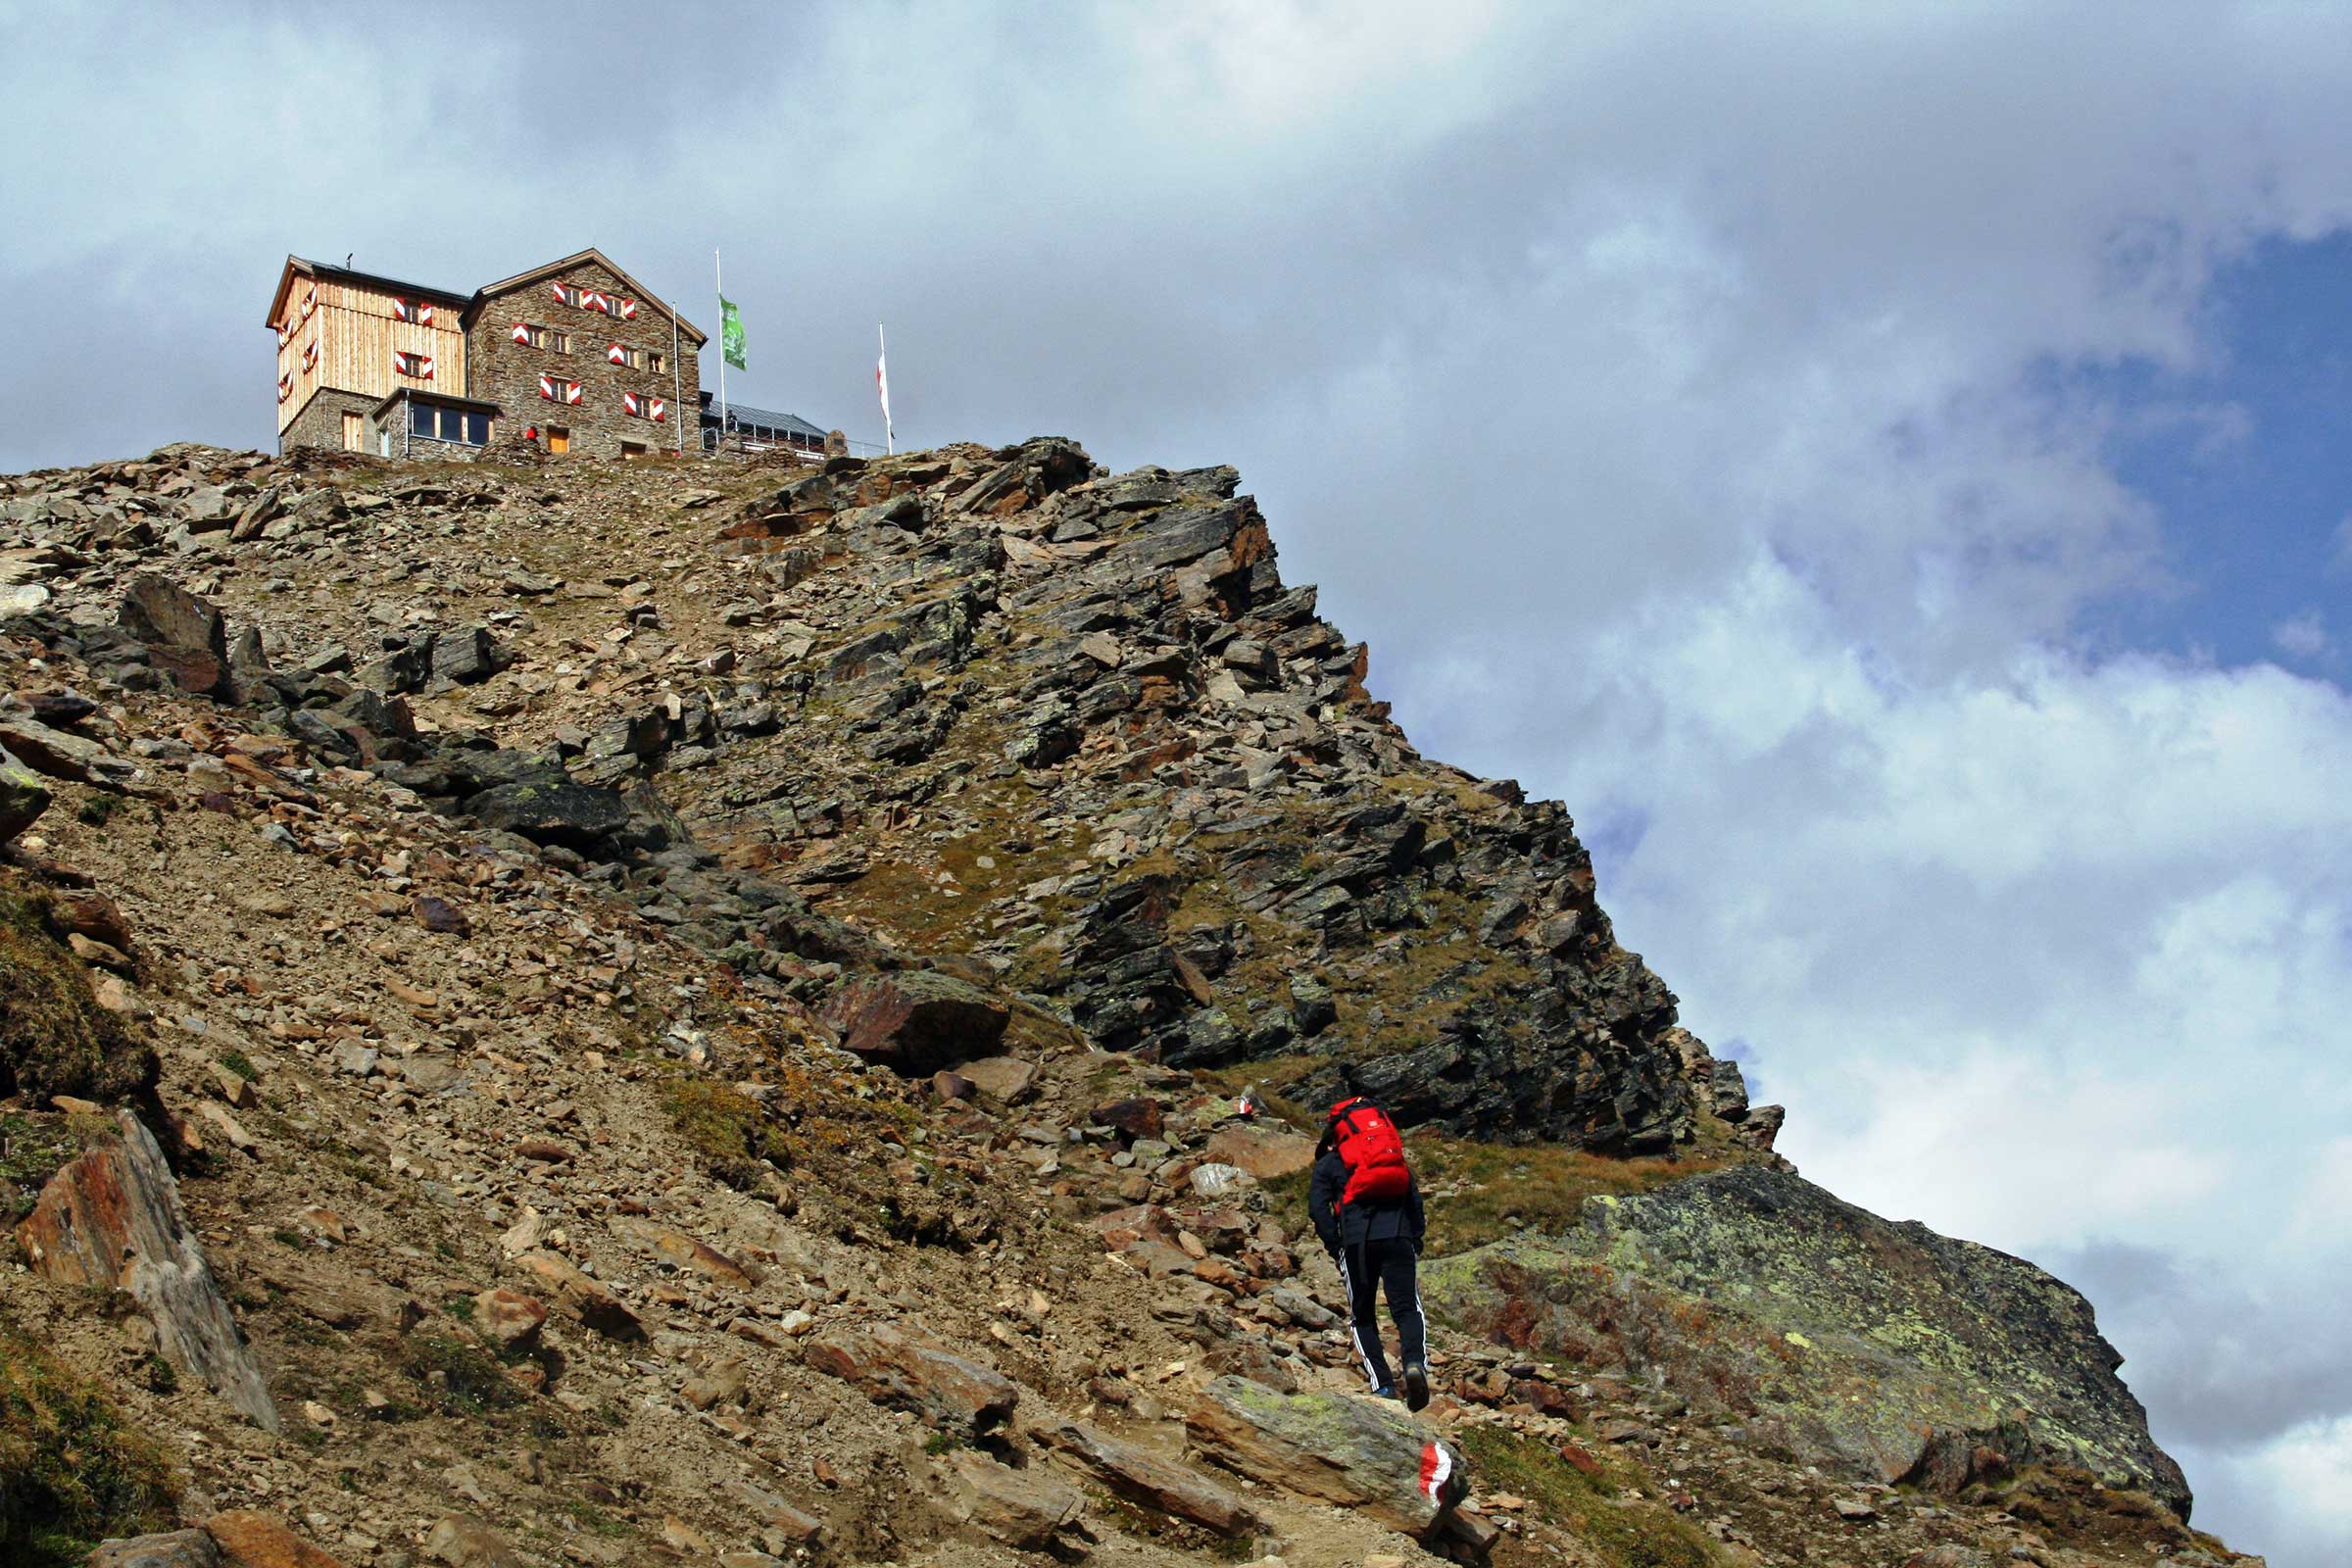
556 390
419 365
632 450
623 355
542 337
433 422
565 294
383 443
655 363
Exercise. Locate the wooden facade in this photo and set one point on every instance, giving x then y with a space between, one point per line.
340 333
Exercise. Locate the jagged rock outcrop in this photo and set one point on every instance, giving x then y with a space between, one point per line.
113 1219
1883 1350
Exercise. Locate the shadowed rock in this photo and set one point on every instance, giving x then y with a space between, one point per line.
918 1021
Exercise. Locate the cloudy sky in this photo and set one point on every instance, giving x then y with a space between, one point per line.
1885 467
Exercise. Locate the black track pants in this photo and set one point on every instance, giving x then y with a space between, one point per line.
1367 1268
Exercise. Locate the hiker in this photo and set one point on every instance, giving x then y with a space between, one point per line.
1367 1208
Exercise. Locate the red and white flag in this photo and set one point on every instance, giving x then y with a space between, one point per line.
882 385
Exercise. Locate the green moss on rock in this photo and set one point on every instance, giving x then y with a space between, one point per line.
730 1131
54 1037
72 1470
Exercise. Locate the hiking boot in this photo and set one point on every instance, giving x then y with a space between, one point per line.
1384 1392
1416 1385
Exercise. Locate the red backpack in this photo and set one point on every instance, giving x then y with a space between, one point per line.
1374 1153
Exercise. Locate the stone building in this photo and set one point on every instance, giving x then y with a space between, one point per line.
577 357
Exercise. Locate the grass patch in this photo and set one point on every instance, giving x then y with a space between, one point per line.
72 1471
32 1149
459 1379
241 1065
1501 1189
1621 1535
54 1037
731 1134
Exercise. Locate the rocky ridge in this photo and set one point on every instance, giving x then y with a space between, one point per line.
695 1018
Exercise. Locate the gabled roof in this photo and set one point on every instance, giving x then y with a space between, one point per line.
590 254
300 267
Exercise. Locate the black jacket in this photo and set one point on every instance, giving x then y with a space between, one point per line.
1353 1224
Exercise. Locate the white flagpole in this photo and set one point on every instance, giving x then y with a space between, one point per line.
719 278
890 444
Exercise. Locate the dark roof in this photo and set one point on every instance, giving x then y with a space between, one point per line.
352 274
426 394
743 414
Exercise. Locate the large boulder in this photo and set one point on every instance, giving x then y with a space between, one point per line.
1029 1510
893 1368
1348 1450
113 1219
1873 1349
1265 1153
1138 1475
174 1549
918 1021
185 636
251 1540
553 810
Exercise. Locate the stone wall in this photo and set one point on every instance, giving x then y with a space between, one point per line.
507 372
320 421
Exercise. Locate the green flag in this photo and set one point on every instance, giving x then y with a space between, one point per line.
730 332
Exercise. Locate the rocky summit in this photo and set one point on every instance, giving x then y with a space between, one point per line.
696 1012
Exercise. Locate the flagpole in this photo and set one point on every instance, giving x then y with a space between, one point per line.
719 278
889 441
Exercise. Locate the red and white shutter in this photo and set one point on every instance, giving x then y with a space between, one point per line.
547 387
309 353
617 354
659 411
285 386
627 310
557 289
572 392
424 364
424 312
400 311
285 333
522 333
595 300
628 401
310 301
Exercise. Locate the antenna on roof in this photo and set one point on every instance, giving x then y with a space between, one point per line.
347 256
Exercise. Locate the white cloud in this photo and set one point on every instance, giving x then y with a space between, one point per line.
2302 636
